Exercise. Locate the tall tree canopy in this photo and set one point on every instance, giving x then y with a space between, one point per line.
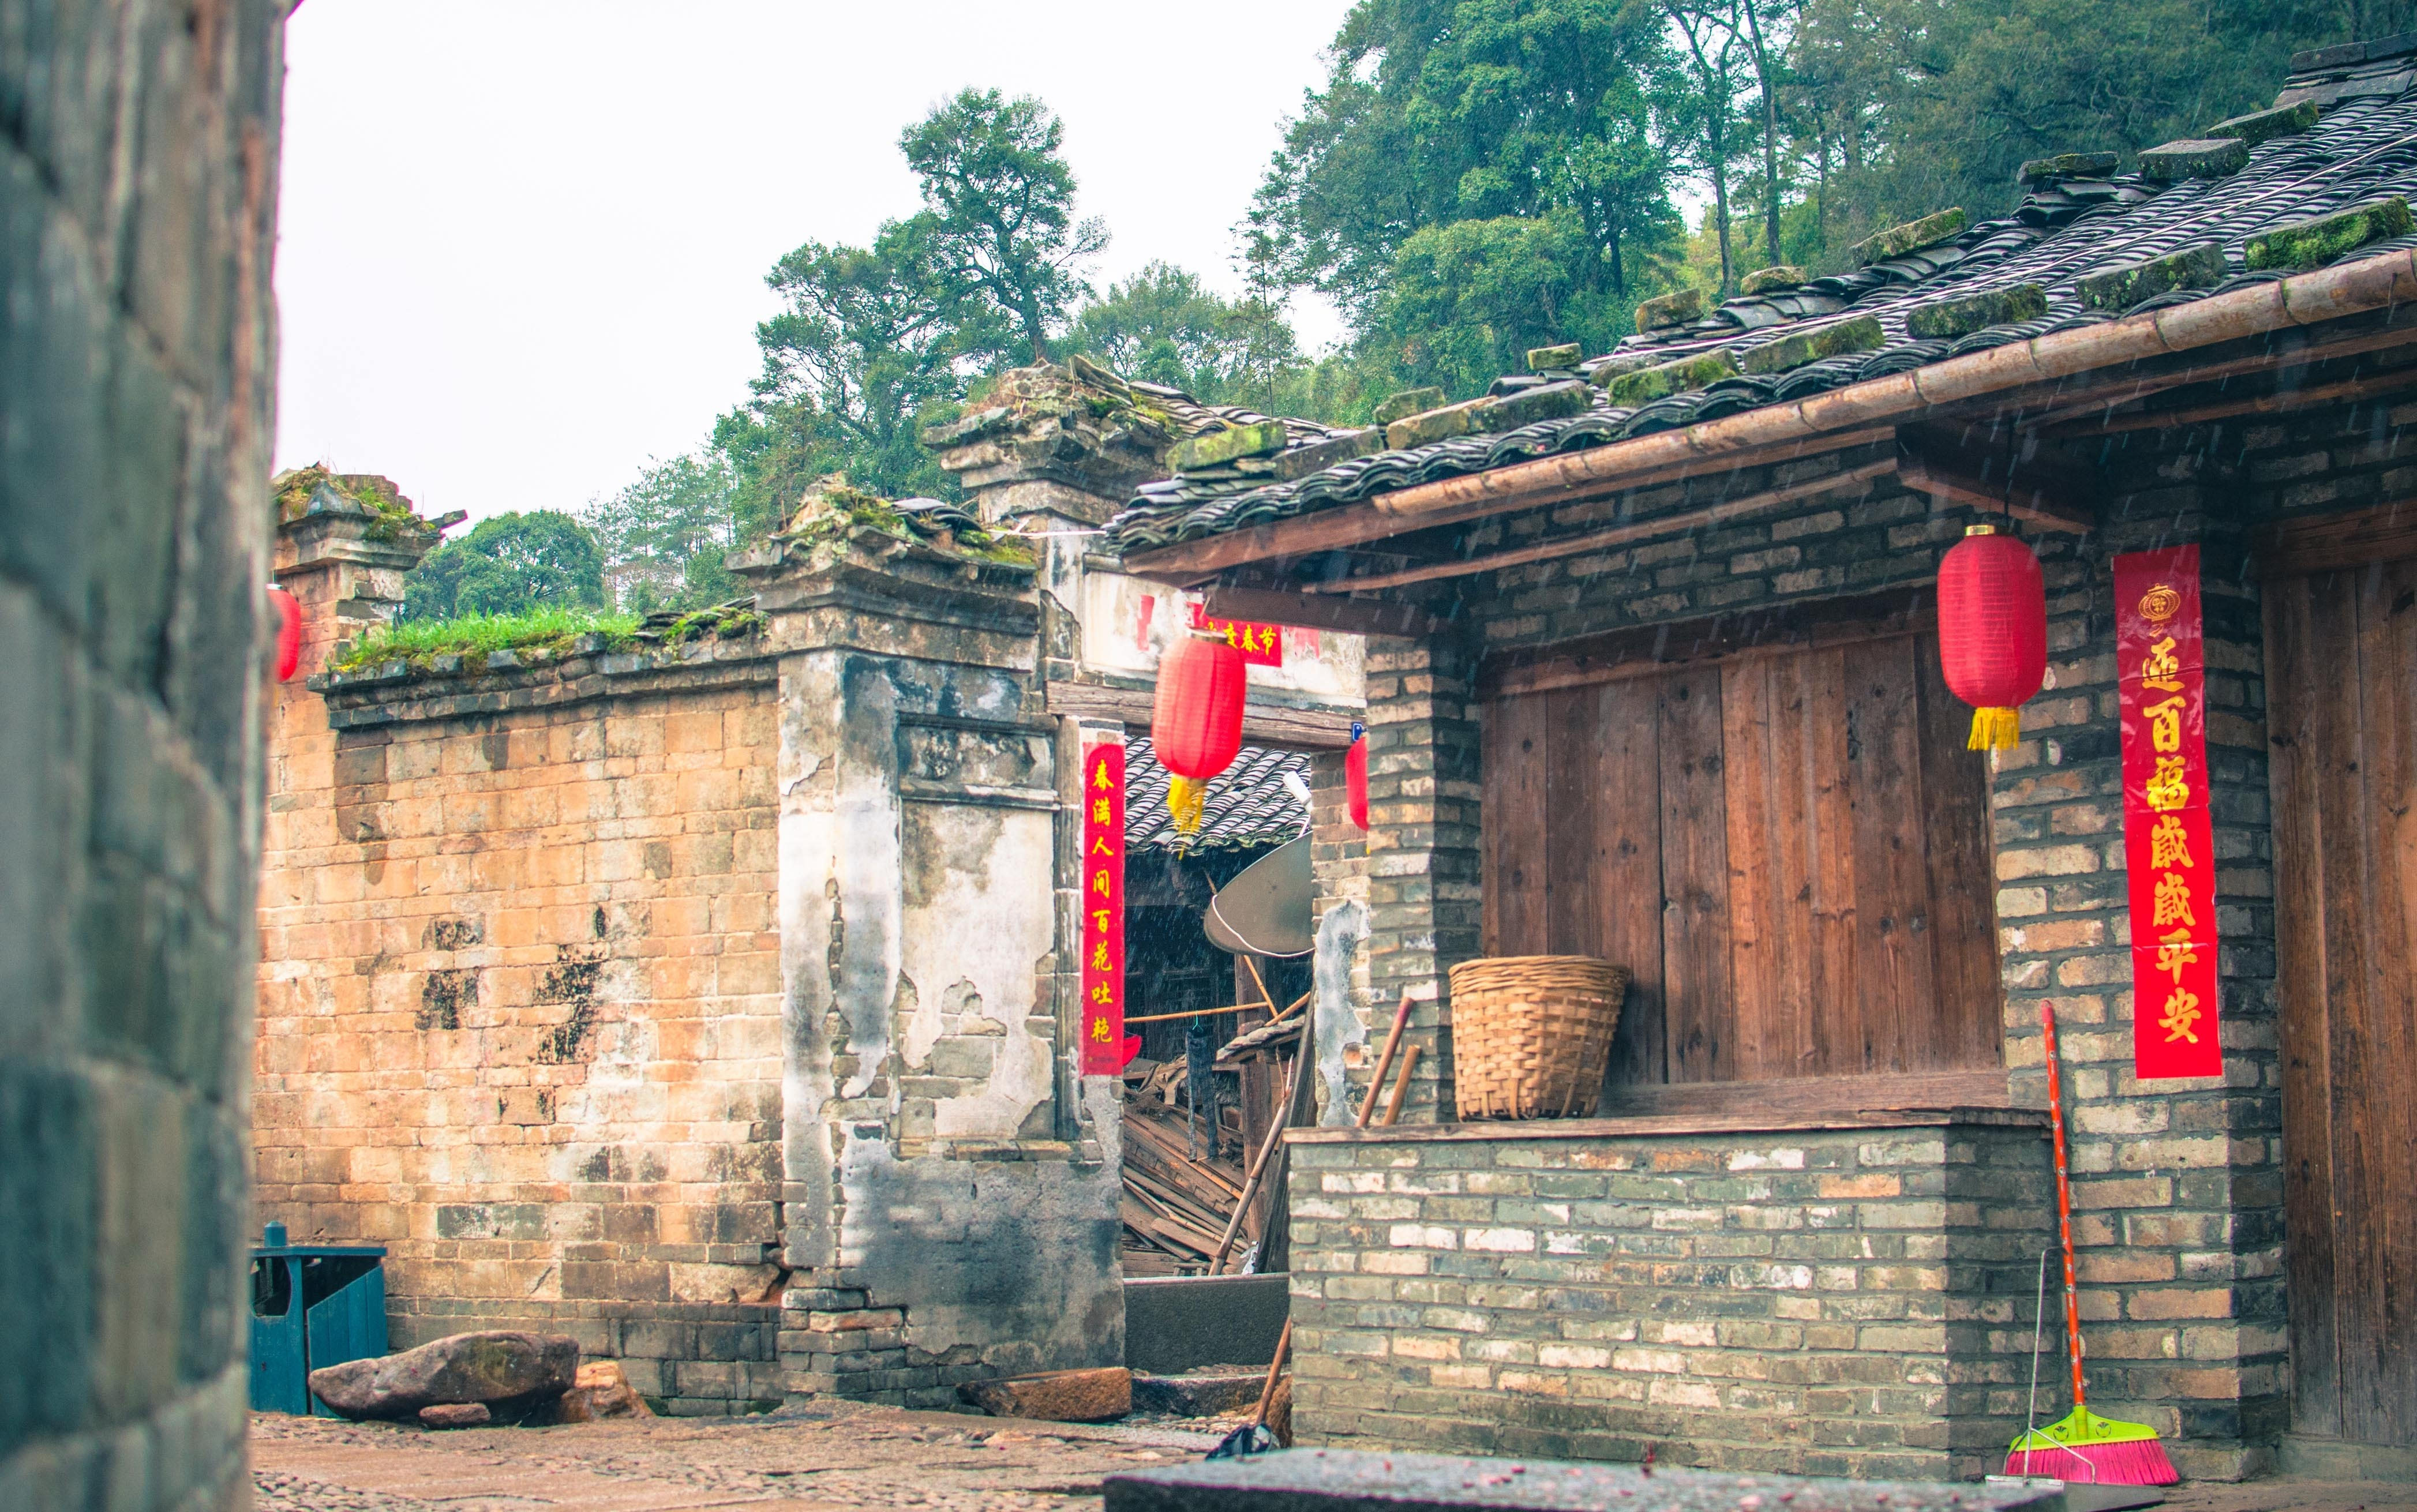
507 563
1435 114
872 343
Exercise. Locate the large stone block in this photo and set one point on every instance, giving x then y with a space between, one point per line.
490 1368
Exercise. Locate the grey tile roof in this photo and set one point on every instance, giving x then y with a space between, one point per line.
1248 804
2364 147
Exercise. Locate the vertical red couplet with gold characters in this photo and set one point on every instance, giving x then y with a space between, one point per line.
1104 1049
2168 842
1261 645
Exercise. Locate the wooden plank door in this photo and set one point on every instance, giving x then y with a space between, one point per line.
2341 650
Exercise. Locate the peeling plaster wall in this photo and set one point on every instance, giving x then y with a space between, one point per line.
941 1229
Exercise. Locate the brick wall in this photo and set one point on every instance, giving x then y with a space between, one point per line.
519 1006
138 174
1421 855
1848 1302
2179 1184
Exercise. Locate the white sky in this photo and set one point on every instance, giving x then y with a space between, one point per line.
522 242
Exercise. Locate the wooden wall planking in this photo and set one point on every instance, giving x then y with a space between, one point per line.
1759 840
2342 654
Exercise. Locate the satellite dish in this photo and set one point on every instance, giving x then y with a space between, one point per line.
1266 909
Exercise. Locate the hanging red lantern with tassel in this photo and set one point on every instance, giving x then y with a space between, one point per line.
289 631
1355 776
1195 724
1992 631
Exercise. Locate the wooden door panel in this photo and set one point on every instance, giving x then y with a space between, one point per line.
1695 880
1627 880
2292 690
1512 822
1891 859
1961 867
2377 1114
2342 653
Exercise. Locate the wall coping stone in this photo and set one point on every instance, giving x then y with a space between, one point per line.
1674 1125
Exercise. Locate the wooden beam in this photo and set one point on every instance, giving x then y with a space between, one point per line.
2106 397
2295 548
1670 524
2274 403
1547 480
1263 724
2009 477
1648 650
1322 611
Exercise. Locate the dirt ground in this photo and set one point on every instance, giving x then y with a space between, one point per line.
819 1458
840 1457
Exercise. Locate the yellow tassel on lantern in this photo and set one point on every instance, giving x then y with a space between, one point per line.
1994 730
1187 801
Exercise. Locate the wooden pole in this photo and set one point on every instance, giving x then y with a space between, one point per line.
1250 1180
1275 1372
1401 1088
1385 1062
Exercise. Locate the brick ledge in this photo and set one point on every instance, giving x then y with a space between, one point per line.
1674 1125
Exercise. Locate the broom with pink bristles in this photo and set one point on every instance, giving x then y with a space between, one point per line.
2082 1446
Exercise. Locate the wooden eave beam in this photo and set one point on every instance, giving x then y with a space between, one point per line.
2009 478
1997 380
1596 540
1542 483
2280 402
1319 611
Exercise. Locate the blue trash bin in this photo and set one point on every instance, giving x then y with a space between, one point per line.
312 1305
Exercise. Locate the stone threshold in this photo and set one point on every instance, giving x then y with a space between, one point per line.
1676 1126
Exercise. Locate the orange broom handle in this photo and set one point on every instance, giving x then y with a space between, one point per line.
2063 1203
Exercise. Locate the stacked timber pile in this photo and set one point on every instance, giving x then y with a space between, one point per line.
1177 1207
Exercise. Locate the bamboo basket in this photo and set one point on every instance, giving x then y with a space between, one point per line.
1530 1034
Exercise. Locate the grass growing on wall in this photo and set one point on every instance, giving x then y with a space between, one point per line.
419 642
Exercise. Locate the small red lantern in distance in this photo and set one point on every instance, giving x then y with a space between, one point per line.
289 631
1195 725
1355 777
1992 631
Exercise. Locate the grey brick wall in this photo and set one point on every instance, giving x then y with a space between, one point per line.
1841 1303
2179 1184
138 163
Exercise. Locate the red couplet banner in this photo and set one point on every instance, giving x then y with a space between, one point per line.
2168 842
1105 1050
1261 645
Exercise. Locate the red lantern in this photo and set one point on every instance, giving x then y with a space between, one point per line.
1355 777
1992 631
1195 725
289 631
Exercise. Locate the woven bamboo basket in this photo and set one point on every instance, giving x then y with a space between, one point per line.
1530 1034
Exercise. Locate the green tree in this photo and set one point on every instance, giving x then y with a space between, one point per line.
873 344
507 563
998 222
1553 117
1163 326
664 537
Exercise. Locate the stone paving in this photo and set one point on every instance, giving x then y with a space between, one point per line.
828 1458
838 1457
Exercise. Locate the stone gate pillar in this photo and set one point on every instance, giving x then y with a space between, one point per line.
950 1187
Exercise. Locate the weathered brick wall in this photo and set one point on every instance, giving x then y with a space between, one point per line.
519 1006
1848 1302
137 173
1421 851
2179 1184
